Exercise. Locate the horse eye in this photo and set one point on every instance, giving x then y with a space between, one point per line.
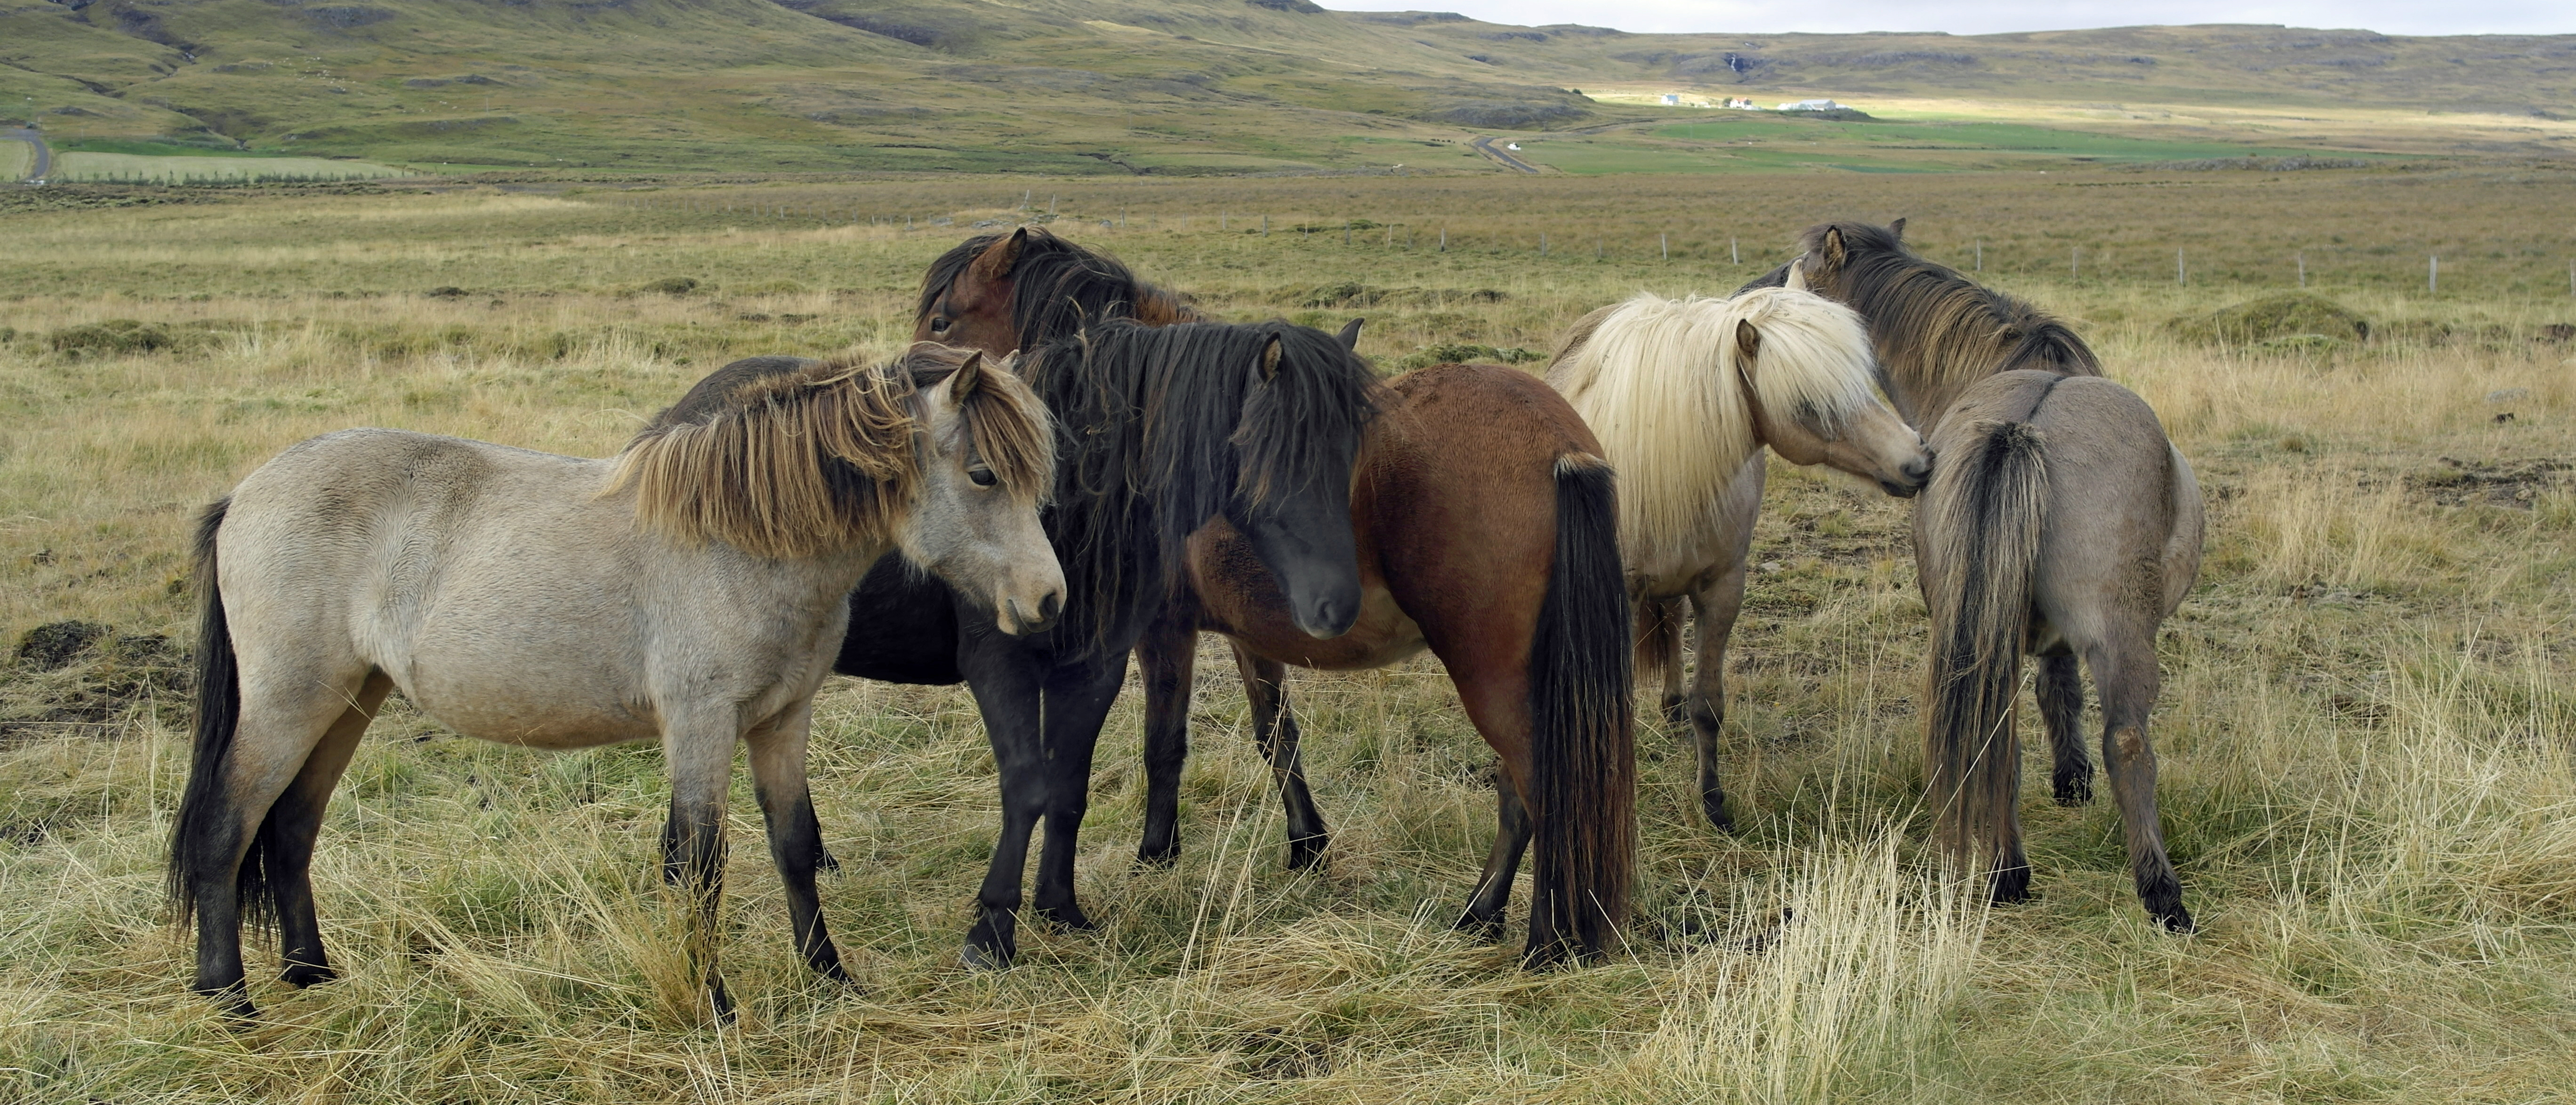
982 476
938 325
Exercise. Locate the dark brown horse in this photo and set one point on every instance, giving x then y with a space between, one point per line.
1486 525
2060 522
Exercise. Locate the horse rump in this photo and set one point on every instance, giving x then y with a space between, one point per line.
1983 512
1583 762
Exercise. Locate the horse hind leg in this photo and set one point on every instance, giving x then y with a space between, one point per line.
1485 908
2124 671
1659 653
1265 684
2061 709
294 822
232 854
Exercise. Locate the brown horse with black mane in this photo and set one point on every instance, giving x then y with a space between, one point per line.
2060 522
1486 524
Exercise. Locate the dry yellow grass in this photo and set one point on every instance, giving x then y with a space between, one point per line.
2368 784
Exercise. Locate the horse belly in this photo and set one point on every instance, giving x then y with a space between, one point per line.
526 700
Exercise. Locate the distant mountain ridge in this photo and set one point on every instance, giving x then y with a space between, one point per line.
1064 86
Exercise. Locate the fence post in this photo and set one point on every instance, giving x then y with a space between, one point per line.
1733 256
1050 203
1444 239
1024 198
2303 268
1664 242
1981 256
1596 248
1542 243
1220 220
2074 262
2433 276
1265 226
2182 275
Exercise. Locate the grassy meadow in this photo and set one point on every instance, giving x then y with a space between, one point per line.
2368 779
127 168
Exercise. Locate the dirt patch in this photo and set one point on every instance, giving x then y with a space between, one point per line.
2507 483
75 674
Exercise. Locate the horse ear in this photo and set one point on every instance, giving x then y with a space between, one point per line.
998 259
1748 342
1896 230
1797 281
1351 334
968 377
1835 254
1270 358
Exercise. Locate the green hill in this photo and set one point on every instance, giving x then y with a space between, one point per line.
1183 85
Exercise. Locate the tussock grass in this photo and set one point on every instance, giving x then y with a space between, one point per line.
2368 781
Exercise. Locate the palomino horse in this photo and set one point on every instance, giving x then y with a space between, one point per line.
1486 527
691 588
1685 393
2060 522
1163 430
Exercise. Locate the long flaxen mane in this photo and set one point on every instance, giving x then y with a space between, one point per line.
1662 382
1057 286
791 458
1936 330
1165 425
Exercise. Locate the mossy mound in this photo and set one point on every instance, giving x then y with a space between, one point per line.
1464 353
116 335
2296 314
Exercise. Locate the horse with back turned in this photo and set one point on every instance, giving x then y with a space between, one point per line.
2060 522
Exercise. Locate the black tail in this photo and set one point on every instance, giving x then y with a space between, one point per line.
1988 506
1583 770
204 812
1658 636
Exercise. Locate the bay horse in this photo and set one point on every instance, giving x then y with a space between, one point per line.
2060 522
1164 430
1686 393
691 588
1485 522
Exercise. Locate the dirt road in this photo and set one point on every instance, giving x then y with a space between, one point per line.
1485 146
44 157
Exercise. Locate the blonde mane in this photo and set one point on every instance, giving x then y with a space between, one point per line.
1661 381
817 457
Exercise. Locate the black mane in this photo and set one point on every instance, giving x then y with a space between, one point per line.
1162 427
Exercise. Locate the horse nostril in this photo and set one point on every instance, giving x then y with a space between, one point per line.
1919 471
1052 605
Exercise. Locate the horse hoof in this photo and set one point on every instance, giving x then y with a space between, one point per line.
1306 853
2178 922
301 975
1674 714
1069 919
1714 805
1485 930
1162 860
979 958
2012 887
233 1001
828 862
2079 793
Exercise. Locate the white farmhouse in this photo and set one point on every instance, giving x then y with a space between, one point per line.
1811 105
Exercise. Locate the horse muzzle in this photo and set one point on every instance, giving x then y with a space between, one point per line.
1020 618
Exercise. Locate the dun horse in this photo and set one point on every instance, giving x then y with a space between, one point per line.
1685 393
1164 431
691 589
2060 522
1485 522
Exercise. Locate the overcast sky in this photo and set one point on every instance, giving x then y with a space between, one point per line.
2413 17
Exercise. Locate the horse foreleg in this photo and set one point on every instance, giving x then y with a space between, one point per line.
1078 698
700 758
1008 688
1167 655
296 820
1719 604
2124 672
2061 710
1265 684
795 834
1493 894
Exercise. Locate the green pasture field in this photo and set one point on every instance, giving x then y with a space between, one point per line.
2367 775
1759 142
165 169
